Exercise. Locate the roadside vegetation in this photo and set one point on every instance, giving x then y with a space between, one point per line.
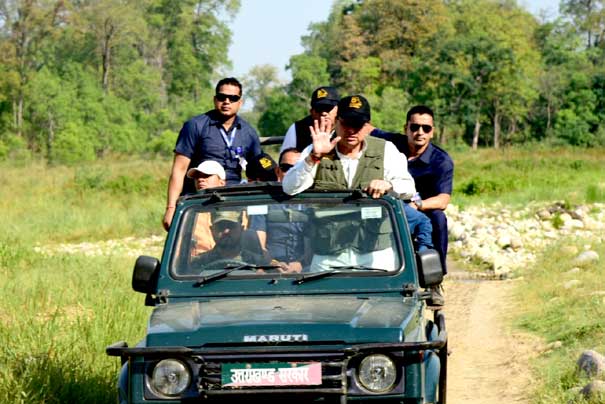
565 307
60 312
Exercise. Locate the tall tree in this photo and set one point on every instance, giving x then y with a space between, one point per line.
112 23
28 28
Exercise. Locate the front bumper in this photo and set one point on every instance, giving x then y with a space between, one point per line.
339 382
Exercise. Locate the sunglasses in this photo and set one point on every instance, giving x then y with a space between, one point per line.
285 166
415 127
223 97
321 108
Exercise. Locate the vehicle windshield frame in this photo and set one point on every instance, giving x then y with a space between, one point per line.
355 205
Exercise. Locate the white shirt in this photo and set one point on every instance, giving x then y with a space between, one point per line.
289 139
302 175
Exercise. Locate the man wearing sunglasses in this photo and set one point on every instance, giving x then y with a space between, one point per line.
324 101
219 135
433 172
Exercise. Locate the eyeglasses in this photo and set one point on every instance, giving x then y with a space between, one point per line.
415 127
223 97
285 167
321 108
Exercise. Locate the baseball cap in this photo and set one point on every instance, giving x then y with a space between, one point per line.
208 167
261 168
226 215
355 110
324 96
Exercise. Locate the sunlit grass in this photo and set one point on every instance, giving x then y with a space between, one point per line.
557 310
57 317
59 313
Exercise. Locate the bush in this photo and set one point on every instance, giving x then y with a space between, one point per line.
73 145
163 144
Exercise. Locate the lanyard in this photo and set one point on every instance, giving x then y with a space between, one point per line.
234 153
228 138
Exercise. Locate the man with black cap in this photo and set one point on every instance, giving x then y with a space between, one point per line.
323 105
352 159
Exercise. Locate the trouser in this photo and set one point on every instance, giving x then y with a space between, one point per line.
439 223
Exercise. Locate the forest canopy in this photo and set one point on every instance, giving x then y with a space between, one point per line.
80 79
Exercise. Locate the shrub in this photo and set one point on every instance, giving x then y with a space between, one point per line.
73 145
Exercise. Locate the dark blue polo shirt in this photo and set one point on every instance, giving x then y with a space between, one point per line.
433 171
200 139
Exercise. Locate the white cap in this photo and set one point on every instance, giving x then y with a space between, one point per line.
208 167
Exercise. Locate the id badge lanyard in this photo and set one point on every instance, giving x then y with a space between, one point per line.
234 152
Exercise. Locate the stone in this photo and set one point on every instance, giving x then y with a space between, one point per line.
591 364
575 224
573 270
516 244
594 390
586 258
544 214
504 241
565 218
457 231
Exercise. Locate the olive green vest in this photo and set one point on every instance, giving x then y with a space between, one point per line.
330 174
332 235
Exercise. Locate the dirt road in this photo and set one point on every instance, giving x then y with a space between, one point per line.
488 362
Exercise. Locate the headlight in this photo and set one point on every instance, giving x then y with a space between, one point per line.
170 377
377 373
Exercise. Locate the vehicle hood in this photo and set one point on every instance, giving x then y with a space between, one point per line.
308 319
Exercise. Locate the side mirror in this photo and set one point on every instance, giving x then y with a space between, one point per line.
430 272
145 273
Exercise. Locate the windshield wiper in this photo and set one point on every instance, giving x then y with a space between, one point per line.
313 276
359 267
231 268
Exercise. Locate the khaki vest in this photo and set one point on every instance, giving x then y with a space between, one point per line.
330 174
332 235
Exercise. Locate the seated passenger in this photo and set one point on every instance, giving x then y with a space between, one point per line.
233 243
208 174
283 236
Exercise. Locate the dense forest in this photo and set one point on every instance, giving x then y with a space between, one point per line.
80 79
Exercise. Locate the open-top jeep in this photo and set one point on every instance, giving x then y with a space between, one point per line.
233 324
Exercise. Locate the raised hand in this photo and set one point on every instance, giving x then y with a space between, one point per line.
320 134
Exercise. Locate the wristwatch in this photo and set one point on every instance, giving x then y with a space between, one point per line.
417 200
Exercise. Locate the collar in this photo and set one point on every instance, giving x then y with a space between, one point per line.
426 155
216 121
364 147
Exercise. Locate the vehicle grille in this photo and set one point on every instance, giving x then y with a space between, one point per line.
334 375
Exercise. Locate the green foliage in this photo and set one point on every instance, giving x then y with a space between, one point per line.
71 146
94 78
282 111
163 144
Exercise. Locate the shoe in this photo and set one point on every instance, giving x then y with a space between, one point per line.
437 298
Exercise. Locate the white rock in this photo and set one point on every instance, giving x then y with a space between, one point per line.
586 258
504 241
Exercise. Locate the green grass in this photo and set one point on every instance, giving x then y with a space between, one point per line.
57 317
59 313
516 176
101 200
573 316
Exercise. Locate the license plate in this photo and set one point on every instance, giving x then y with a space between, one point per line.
270 374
